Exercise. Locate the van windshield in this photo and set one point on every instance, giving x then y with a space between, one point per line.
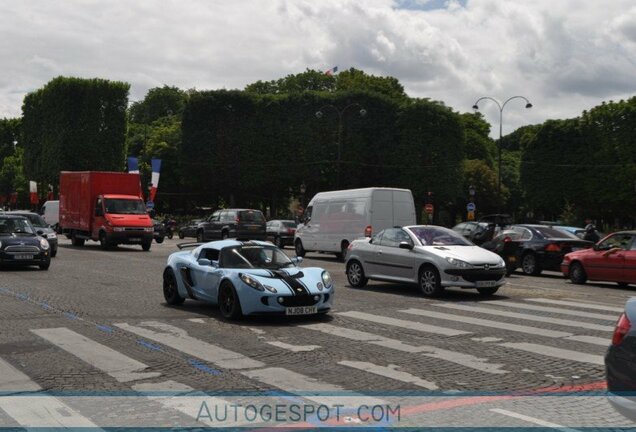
124 206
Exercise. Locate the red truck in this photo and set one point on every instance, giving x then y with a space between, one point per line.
105 207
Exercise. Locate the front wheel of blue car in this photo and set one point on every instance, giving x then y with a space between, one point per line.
229 303
170 291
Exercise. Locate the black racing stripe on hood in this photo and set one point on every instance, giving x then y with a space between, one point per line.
292 281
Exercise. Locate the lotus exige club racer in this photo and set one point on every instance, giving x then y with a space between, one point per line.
245 278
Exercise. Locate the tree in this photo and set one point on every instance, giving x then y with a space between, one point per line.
159 102
483 178
310 80
357 80
74 124
478 144
12 178
9 133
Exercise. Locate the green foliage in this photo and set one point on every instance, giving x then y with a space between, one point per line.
483 178
357 80
159 102
478 144
12 178
74 124
9 133
310 80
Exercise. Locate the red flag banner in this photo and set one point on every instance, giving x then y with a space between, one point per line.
33 190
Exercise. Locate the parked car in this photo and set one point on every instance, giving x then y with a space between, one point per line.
189 229
246 278
612 259
243 224
41 228
159 233
620 363
534 247
20 245
577 231
281 232
430 256
476 232
334 219
50 211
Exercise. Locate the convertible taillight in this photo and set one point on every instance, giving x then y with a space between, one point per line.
507 239
553 247
368 231
623 325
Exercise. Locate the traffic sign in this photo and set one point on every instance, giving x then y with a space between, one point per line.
150 205
428 208
470 207
471 216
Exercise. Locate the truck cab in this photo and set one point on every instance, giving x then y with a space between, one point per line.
121 219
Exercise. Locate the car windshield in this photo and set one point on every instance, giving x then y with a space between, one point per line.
36 220
438 236
125 206
19 226
257 256
552 233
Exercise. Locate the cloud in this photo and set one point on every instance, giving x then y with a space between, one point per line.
565 56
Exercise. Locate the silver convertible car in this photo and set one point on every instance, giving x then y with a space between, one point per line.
430 256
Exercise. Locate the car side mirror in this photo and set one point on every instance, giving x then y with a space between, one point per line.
406 245
204 262
297 260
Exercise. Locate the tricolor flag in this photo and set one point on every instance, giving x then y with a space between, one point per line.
33 189
133 165
156 167
332 71
50 195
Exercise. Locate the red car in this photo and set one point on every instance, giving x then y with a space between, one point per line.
612 259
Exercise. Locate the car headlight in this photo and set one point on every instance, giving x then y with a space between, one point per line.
51 236
326 279
458 263
501 263
249 280
44 244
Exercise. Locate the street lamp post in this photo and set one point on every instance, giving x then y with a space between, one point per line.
501 108
340 113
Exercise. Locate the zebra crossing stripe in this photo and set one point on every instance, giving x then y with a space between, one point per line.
179 339
411 325
536 331
533 420
391 372
37 411
527 317
578 304
559 353
561 311
115 364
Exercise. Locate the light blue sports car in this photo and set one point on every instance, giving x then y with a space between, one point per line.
246 278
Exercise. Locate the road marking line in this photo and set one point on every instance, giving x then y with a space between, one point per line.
559 353
527 317
390 372
605 342
37 411
190 402
577 304
115 364
532 419
179 339
536 331
467 360
538 308
292 382
411 325
294 348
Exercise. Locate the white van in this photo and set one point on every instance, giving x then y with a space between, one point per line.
50 212
334 219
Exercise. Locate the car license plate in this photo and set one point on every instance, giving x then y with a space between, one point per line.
484 284
134 239
512 259
301 310
23 257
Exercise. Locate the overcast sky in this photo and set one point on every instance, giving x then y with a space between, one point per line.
563 55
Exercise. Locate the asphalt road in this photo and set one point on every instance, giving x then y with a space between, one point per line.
96 322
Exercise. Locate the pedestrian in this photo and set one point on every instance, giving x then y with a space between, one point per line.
591 234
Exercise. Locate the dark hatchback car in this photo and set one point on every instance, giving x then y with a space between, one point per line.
189 229
620 363
534 248
41 228
20 245
243 224
281 232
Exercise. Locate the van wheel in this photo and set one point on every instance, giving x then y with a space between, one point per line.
146 245
429 281
344 246
300 250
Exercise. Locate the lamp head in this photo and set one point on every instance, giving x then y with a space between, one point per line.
319 114
363 112
475 107
528 105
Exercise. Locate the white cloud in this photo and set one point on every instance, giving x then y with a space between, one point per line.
565 56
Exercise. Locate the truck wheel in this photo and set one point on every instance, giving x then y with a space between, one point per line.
146 245
103 241
76 241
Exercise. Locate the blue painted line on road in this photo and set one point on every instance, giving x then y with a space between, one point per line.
202 367
23 297
149 345
104 328
45 305
70 315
